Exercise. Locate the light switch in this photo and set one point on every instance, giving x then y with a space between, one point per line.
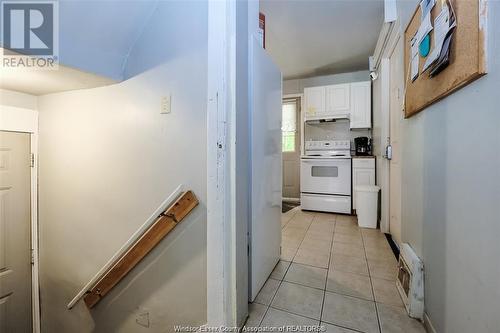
165 104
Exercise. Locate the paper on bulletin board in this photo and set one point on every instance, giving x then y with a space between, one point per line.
441 28
426 7
424 29
414 59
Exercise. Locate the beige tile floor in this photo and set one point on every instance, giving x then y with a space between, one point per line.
335 274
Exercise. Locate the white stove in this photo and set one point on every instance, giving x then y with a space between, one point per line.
325 176
327 149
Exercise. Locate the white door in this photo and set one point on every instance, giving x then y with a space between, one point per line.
266 166
361 110
338 99
291 147
395 118
15 229
314 101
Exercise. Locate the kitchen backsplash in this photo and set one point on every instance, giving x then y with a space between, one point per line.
338 130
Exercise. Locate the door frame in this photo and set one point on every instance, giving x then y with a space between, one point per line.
384 75
231 25
301 139
385 69
301 117
395 42
14 119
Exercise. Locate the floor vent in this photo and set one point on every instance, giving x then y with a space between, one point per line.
410 281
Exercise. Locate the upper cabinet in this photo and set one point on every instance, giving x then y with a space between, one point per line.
340 101
361 101
314 101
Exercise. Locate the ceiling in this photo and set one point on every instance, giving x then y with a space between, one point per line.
97 35
41 82
319 37
95 40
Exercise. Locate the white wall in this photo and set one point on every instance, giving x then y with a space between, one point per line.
17 99
451 192
107 160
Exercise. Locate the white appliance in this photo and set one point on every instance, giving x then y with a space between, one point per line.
410 281
266 168
325 176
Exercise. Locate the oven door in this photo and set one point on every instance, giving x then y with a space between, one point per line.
325 176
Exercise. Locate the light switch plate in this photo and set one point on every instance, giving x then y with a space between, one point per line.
166 104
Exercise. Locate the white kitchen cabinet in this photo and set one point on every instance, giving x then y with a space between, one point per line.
314 101
363 173
361 111
338 99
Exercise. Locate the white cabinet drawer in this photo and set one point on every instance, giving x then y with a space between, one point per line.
365 163
326 203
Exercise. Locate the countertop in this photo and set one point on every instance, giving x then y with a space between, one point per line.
362 156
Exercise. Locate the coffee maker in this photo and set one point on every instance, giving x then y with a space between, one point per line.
362 145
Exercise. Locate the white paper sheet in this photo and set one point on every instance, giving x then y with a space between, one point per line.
424 29
426 7
414 61
441 28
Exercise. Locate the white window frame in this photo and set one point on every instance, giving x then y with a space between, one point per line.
301 118
296 148
22 120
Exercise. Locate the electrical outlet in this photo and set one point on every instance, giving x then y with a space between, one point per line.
165 104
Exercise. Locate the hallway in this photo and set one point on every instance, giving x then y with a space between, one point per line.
335 274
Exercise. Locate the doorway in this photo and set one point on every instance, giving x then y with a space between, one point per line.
291 149
15 232
396 91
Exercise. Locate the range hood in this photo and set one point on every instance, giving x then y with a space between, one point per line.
326 118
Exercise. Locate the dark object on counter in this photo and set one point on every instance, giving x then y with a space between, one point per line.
362 146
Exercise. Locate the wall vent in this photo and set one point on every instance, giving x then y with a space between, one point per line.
410 281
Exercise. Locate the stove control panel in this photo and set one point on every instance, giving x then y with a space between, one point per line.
328 145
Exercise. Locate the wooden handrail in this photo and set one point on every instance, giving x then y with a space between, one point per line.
128 244
163 224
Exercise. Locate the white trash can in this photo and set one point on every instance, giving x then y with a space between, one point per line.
367 205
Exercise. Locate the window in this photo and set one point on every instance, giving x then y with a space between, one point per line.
289 127
324 171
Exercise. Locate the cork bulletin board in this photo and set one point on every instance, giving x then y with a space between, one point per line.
467 55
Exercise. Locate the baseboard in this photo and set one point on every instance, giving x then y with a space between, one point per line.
428 325
393 245
293 200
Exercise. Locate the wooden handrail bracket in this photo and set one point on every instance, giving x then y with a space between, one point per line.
165 223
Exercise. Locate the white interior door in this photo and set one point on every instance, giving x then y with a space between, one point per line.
291 148
266 164
395 106
15 229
